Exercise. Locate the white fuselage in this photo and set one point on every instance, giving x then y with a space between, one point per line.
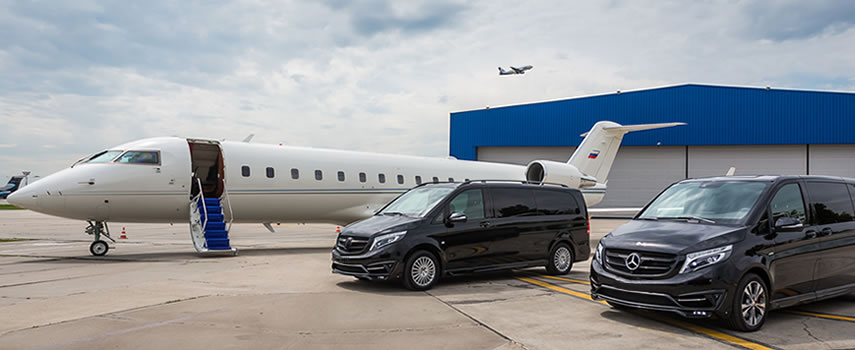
160 193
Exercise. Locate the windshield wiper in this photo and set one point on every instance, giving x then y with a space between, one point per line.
687 218
651 218
393 213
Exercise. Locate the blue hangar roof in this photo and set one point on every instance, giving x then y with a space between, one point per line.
716 115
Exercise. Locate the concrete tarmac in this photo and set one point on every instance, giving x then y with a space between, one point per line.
154 291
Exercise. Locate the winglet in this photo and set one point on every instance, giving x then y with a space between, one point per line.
248 138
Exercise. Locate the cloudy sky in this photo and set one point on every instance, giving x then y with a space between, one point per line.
79 76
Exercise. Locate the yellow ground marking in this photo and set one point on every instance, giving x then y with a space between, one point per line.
724 337
826 316
565 279
561 289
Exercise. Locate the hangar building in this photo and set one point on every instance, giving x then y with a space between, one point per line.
756 130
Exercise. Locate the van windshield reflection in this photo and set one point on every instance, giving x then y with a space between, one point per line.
417 202
709 202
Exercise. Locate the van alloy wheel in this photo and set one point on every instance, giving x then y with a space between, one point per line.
562 259
423 271
748 309
753 303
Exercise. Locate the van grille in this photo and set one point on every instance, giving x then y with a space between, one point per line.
651 264
357 244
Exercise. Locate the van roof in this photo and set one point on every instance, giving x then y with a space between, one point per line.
769 178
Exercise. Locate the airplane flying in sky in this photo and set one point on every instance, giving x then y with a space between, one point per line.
514 70
211 183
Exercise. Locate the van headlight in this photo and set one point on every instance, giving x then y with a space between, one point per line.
387 239
598 255
698 260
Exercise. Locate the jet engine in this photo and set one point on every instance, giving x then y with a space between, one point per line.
556 172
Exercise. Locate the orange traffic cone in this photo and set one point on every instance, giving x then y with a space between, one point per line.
123 236
338 229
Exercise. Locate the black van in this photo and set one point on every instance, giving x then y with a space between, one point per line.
454 228
734 247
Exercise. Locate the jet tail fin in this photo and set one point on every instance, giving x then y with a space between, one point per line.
596 154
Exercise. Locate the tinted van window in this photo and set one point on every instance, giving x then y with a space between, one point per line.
555 203
788 203
830 202
469 203
510 202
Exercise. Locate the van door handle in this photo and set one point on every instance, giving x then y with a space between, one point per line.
810 234
826 232
485 224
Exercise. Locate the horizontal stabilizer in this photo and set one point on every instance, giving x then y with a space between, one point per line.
637 127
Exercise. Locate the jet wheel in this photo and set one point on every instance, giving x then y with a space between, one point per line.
99 248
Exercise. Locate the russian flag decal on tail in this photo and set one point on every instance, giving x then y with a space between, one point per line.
594 154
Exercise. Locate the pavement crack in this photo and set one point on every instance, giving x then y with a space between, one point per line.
807 330
482 324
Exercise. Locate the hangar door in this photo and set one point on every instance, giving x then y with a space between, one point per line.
832 160
748 160
638 174
641 172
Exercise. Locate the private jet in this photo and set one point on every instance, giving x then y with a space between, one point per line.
212 184
514 70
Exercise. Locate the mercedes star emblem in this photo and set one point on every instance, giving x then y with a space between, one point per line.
633 261
348 242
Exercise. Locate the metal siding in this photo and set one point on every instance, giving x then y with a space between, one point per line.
748 160
832 160
524 155
715 115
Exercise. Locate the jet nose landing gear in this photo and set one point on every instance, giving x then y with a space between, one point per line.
97 229
99 248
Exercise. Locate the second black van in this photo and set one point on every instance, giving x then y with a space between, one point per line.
733 247
441 229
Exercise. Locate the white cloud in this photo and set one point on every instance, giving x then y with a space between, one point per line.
375 76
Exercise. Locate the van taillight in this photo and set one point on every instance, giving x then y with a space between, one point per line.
588 222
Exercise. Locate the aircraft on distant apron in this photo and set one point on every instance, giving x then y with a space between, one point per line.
211 183
514 70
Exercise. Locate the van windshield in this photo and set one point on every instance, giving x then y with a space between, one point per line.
710 201
417 202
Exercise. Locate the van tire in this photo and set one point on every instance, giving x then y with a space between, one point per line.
750 284
560 260
421 271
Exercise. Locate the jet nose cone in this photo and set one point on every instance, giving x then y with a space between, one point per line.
22 199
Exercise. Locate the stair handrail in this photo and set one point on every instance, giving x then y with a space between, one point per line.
204 207
229 202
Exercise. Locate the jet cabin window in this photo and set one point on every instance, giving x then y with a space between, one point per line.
244 170
270 172
139 157
418 180
104 157
362 177
381 178
319 175
341 176
435 179
400 179
295 173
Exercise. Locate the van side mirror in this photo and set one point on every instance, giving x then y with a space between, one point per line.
455 217
788 223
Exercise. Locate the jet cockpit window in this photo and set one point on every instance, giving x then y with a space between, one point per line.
104 157
140 157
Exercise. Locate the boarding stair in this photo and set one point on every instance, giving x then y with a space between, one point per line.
208 225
